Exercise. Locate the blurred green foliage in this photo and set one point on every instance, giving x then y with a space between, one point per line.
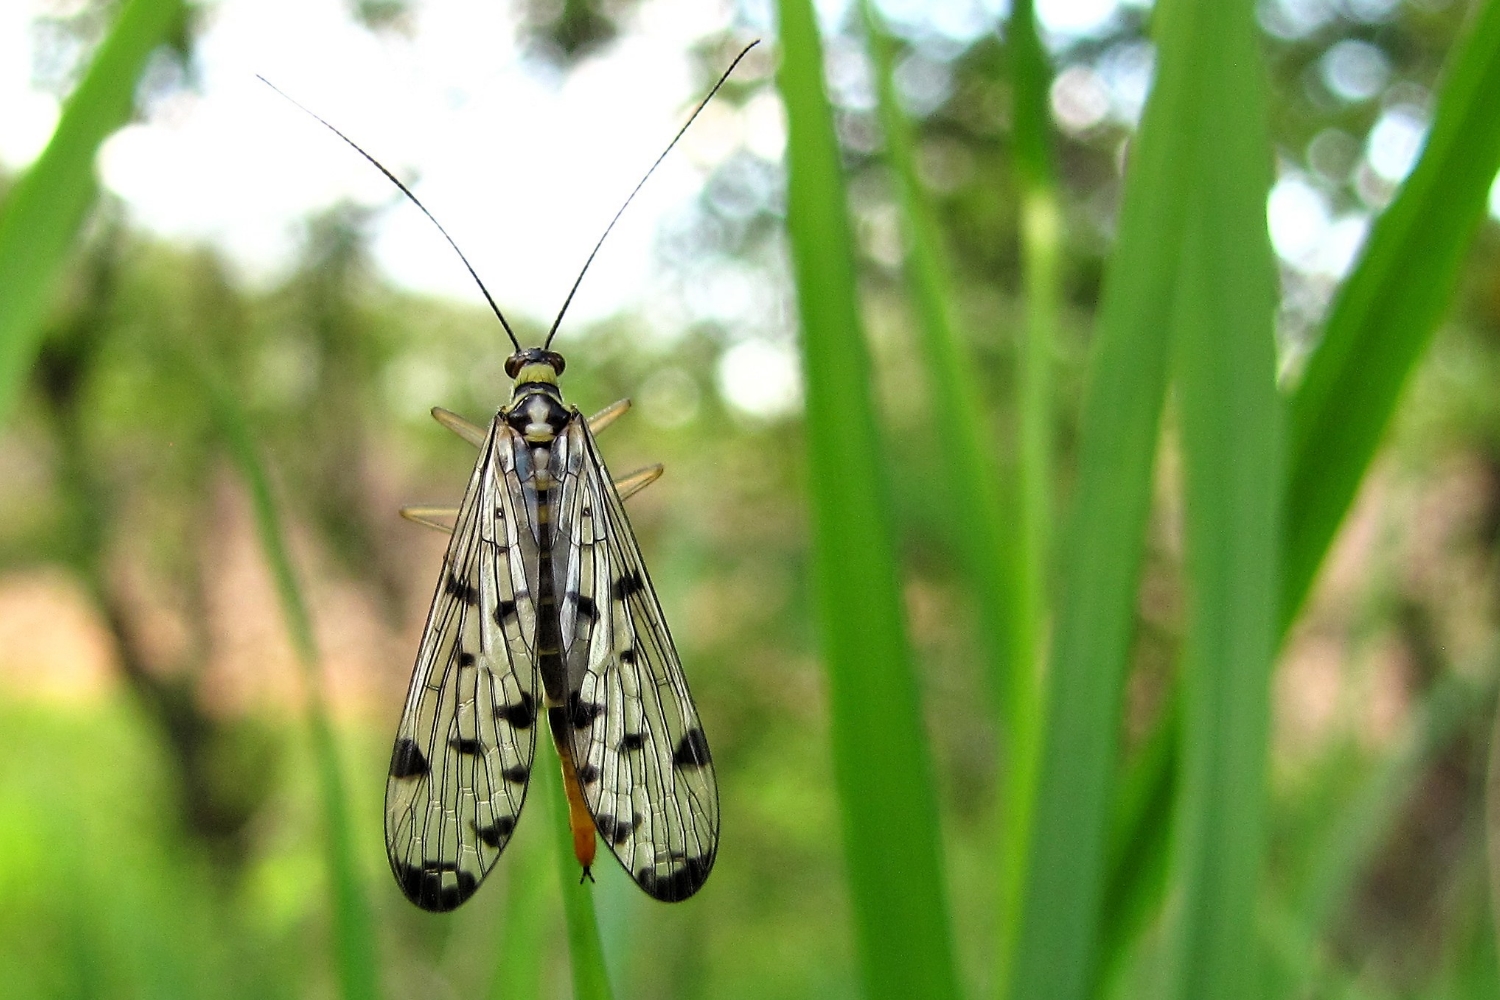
166 828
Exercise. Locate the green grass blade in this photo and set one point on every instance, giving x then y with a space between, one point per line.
353 927
1041 246
1139 846
1057 938
529 915
988 550
1451 171
1041 279
1032 79
884 777
1386 312
45 210
585 951
1041 252
1230 431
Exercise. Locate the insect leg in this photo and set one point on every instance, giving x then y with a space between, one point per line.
608 415
426 516
471 433
638 480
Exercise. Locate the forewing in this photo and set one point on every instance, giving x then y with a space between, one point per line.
636 739
464 746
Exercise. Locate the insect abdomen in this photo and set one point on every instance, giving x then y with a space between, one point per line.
538 414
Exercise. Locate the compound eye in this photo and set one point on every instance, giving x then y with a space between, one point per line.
513 365
558 363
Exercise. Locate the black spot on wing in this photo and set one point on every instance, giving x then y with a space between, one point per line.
460 590
434 885
504 610
465 658
630 583
586 607
680 884
588 774
407 760
465 745
613 830
627 657
494 835
692 749
632 741
517 775
520 715
582 713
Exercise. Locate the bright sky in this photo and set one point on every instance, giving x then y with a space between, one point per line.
524 169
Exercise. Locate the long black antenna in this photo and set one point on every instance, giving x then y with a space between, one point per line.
414 200
696 111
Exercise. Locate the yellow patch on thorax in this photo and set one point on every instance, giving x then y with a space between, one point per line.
536 373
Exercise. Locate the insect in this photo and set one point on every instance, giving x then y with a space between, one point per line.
544 615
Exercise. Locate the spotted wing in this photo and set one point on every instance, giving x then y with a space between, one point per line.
464 746
636 739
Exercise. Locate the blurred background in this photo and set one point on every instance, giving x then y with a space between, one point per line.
160 833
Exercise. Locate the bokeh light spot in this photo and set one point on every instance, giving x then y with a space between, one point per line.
1396 142
761 379
1354 70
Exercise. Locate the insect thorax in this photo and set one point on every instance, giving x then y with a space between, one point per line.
537 413
536 409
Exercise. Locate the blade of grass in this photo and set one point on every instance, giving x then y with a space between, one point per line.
1439 208
1057 936
1040 249
1041 245
1099 560
989 546
353 928
585 951
884 777
1225 374
528 915
1139 847
1386 312
1032 79
47 207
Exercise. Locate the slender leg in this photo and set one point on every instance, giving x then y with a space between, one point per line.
472 433
608 415
426 516
638 480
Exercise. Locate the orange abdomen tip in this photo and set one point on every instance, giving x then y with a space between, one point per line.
579 818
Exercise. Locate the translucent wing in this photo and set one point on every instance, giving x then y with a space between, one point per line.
636 740
463 753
